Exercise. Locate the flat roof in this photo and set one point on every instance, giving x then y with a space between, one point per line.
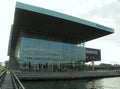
54 26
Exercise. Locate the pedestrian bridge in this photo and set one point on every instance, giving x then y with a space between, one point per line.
8 80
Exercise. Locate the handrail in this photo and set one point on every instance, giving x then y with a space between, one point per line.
16 82
2 75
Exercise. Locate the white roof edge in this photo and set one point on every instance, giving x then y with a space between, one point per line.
62 16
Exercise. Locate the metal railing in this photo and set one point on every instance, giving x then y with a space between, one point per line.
2 76
16 82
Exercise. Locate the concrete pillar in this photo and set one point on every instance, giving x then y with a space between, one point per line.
13 63
93 67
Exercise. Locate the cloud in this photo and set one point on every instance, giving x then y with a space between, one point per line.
108 15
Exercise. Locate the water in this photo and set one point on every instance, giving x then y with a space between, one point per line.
103 83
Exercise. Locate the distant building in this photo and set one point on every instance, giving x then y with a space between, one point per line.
40 36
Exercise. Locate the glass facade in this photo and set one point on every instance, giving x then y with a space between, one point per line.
44 51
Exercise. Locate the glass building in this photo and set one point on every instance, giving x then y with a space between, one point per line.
40 36
37 51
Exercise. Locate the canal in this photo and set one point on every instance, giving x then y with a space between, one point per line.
101 83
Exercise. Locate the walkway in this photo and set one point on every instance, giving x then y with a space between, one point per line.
7 82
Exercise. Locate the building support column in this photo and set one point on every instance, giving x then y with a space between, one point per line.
12 63
93 67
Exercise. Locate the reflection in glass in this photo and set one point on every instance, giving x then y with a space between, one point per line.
44 51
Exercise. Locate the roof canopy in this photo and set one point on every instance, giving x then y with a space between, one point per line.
54 26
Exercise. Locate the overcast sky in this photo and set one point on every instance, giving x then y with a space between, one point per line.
105 12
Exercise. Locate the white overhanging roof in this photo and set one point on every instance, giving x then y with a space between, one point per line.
51 25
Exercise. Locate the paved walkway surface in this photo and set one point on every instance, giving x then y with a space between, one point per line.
7 82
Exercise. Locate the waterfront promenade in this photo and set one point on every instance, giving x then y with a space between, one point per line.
7 82
33 75
42 75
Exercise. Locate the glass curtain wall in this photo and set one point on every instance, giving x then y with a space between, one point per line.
43 51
